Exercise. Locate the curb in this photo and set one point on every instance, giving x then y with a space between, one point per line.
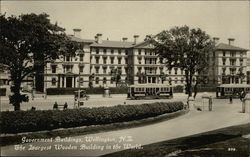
10 139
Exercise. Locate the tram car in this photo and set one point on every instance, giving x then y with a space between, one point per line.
234 90
149 91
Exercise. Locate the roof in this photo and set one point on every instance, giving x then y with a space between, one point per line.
115 44
223 46
235 85
73 38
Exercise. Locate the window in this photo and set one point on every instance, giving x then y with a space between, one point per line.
241 54
175 71
241 62
112 60
139 60
53 67
224 61
126 70
126 52
224 53
97 70
126 60
232 62
68 68
97 80
97 60
81 81
182 80
112 51
104 70
139 52
232 54
81 57
104 51
67 58
81 69
119 51
97 51
53 81
119 60
181 72
139 69
104 80
104 60
223 71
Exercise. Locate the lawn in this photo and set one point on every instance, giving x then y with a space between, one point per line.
230 141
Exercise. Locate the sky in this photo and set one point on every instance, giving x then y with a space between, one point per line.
117 19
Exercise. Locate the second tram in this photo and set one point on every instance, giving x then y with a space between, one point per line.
145 91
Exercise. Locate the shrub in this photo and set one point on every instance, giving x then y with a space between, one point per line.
26 121
178 89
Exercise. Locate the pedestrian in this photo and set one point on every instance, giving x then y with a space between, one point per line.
65 106
231 99
242 95
55 106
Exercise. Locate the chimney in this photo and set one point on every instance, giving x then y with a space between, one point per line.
135 39
216 40
99 38
124 39
147 37
231 41
77 32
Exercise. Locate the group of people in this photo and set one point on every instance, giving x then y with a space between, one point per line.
55 106
241 94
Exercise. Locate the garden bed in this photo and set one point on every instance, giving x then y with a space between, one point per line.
29 121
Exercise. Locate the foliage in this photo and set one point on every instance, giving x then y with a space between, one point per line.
27 42
185 48
116 75
25 121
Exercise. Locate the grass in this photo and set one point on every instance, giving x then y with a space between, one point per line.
10 139
222 142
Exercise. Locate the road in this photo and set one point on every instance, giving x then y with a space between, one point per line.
223 115
95 101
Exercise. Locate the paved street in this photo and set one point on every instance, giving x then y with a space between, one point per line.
223 115
95 101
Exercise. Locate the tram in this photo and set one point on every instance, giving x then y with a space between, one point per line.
234 90
150 91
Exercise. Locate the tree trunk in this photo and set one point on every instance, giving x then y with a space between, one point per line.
16 95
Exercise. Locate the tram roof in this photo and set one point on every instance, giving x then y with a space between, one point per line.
234 86
150 85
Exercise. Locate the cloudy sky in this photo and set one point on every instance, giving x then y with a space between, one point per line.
117 19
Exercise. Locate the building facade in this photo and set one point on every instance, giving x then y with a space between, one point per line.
137 63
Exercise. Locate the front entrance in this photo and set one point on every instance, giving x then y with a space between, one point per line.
68 82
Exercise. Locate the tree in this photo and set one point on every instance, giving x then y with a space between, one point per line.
116 75
185 48
27 43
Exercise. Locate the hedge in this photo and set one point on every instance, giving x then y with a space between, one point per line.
27 121
96 90
2 91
